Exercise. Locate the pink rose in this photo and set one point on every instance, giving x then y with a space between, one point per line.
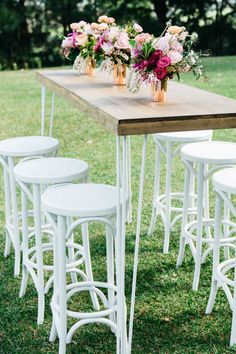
138 28
102 26
108 48
111 20
143 37
75 26
164 62
175 57
160 73
176 46
164 43
103 18
122 41
81 39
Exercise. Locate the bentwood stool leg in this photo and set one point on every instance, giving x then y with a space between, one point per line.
216 252
14 216
182 243
7 208
24 208
200 186
88 265
61 291
110 267
39 251
156 191
168 196
71 251
233 326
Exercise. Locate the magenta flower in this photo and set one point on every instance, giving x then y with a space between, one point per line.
160 73
155 57
164 62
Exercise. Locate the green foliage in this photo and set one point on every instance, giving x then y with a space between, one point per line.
169 316
30 30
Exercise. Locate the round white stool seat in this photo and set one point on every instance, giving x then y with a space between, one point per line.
184 137
81 200
28 146
215 152
225 180
51 170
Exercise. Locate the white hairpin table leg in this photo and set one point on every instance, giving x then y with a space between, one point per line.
43 104
138 229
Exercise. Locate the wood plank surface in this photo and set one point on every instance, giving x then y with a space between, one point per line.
123 113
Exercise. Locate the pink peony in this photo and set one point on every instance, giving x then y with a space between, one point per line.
108 48
164 43
175 57
102 27
67 43
175 45
75 26
160 73
81 39
155 57
143 37
164 62
138 28
103 18
122 41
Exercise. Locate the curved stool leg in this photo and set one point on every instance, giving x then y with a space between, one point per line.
24 279
168 197
7 209
88 265
233 326
53 333
156 191
71 252
39 252
62 322
15 217
216 253
226 227
110 267
182 243
198 257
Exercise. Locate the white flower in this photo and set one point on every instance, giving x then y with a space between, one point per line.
164 43
108 48
67 43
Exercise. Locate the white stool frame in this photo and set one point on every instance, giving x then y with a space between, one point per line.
202 173
162 203
219 270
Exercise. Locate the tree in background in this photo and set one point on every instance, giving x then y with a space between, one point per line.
31 30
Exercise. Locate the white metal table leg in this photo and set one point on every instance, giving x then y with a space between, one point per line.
15 216
128 158
137 241
156 191
43 104
120 249
52 114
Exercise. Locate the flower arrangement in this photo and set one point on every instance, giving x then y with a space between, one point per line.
114 50
156 60
78 46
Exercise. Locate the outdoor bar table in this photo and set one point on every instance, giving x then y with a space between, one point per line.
125 114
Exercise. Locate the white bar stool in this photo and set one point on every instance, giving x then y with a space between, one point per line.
197 157
85 203
169 144
224 183
10 150
33 176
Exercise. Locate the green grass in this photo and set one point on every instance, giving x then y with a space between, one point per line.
169 316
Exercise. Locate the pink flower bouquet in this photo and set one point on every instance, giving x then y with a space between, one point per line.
156 60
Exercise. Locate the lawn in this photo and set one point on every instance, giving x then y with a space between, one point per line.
169 316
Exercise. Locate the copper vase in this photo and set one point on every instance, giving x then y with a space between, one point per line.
119 77
90 67
159 90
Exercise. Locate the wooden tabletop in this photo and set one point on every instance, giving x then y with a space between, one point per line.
123 113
